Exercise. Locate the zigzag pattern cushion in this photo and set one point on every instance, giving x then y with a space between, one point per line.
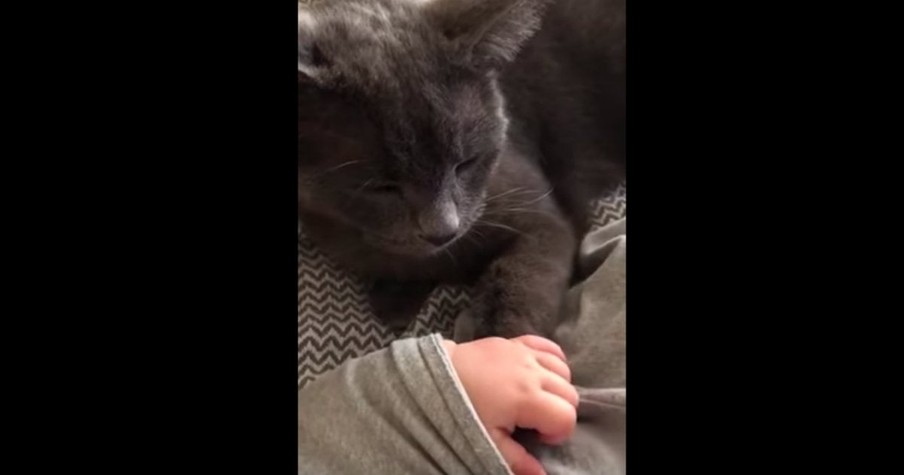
336 323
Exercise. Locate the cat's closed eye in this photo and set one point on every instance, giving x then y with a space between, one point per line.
465 165
384 188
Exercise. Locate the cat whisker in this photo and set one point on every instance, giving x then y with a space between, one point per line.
504 193
355 194
539 198
493 224
476 232
471 239
451 256
506 211
333 169
524 210
507 193
475 237
363 186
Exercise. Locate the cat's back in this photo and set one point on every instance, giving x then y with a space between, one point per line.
565 96
586 31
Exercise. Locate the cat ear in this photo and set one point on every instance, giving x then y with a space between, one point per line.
311 61
312 64
488 32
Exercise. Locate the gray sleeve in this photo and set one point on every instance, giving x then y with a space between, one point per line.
395 411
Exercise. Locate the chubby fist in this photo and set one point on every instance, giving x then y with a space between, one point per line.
522 382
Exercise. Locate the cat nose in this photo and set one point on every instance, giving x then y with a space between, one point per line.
439 228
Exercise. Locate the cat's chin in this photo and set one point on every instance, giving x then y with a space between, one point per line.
416 249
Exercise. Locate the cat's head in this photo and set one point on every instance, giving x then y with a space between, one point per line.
400 119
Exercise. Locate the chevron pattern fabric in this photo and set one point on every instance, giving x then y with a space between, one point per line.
336 323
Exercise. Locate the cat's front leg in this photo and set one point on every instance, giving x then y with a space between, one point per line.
396 304
521 291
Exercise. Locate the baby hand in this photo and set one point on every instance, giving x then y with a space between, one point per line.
522 382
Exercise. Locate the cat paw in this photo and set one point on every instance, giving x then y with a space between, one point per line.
505 326
493 317
396 304
513 299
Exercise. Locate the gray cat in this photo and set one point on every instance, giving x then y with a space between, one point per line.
459 141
